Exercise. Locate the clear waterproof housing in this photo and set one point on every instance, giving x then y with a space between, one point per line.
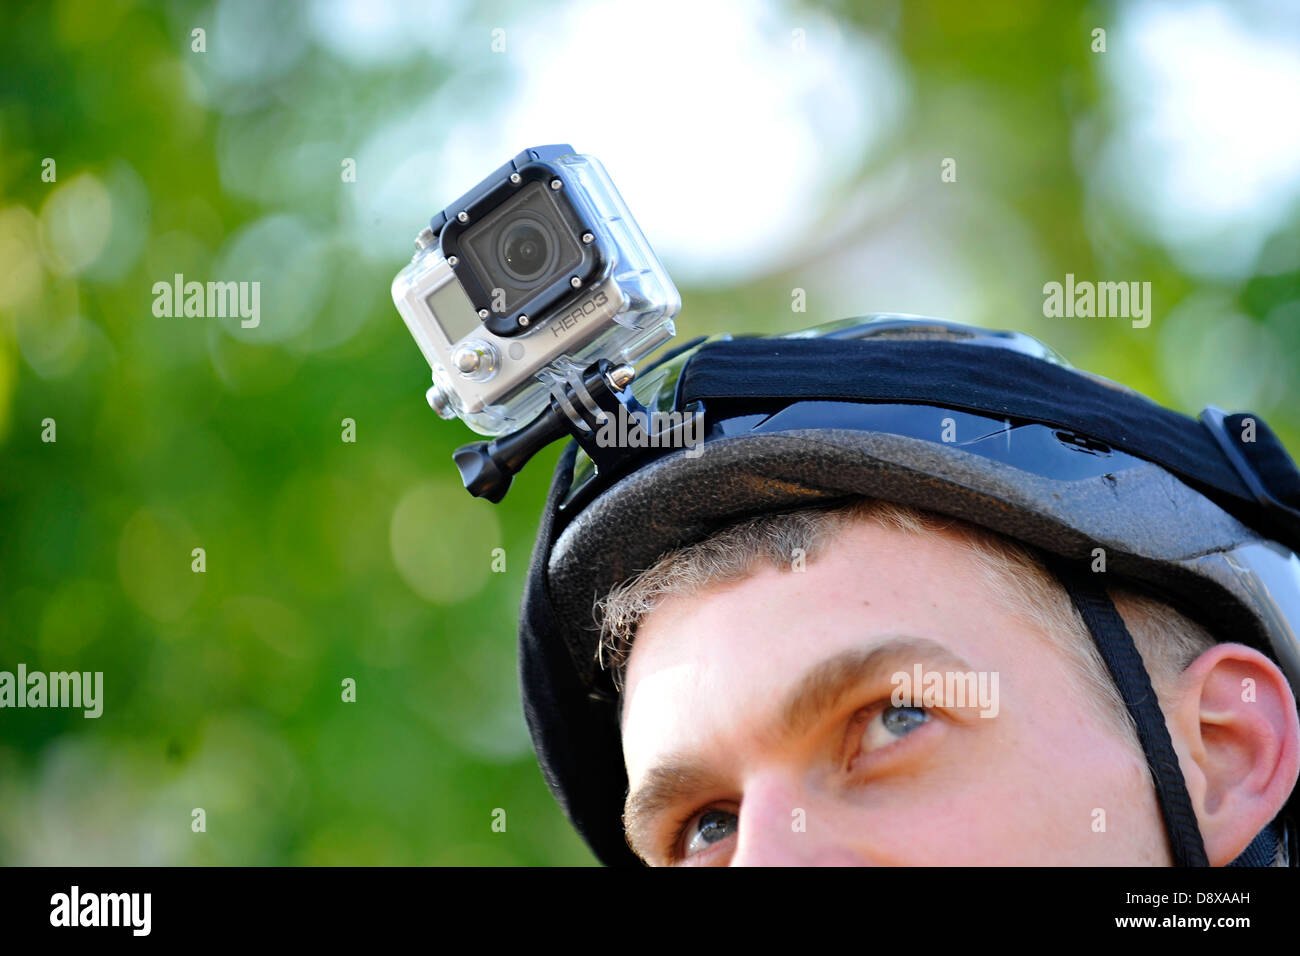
534 274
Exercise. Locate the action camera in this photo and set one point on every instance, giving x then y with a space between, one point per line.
523 283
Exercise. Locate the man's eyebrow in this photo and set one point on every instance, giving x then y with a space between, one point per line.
825 684
820 689
664 786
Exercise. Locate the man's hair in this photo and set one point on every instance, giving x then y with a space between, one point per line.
1167 640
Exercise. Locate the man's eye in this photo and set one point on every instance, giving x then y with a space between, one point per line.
890 724
884 727
708 828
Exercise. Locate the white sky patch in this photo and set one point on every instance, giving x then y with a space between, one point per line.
370 33
1208 150
722 137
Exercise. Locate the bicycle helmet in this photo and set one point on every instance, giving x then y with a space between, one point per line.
1204 513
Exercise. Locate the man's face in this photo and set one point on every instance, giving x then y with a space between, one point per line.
758 726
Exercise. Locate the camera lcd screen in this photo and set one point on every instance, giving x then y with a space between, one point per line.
453 311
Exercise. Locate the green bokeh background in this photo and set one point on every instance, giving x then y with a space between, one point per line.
329 560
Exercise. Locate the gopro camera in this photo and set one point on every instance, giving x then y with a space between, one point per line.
524 282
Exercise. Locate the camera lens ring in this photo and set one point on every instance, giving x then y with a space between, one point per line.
527 248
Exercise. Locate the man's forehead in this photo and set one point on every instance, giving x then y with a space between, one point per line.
709 667
872 576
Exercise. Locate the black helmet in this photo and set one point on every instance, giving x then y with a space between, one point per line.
1204 513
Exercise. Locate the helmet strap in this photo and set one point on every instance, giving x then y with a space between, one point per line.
1134 684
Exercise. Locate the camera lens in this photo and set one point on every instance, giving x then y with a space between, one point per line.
519 255
526 250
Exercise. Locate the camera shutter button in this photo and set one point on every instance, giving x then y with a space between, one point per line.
474 358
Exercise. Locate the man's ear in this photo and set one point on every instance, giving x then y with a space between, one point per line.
1233 720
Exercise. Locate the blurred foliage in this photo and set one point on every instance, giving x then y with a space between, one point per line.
329 560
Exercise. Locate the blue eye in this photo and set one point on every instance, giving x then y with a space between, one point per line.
709 828
892 723
903 720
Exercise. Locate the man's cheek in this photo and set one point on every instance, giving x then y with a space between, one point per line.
980 799
939 833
